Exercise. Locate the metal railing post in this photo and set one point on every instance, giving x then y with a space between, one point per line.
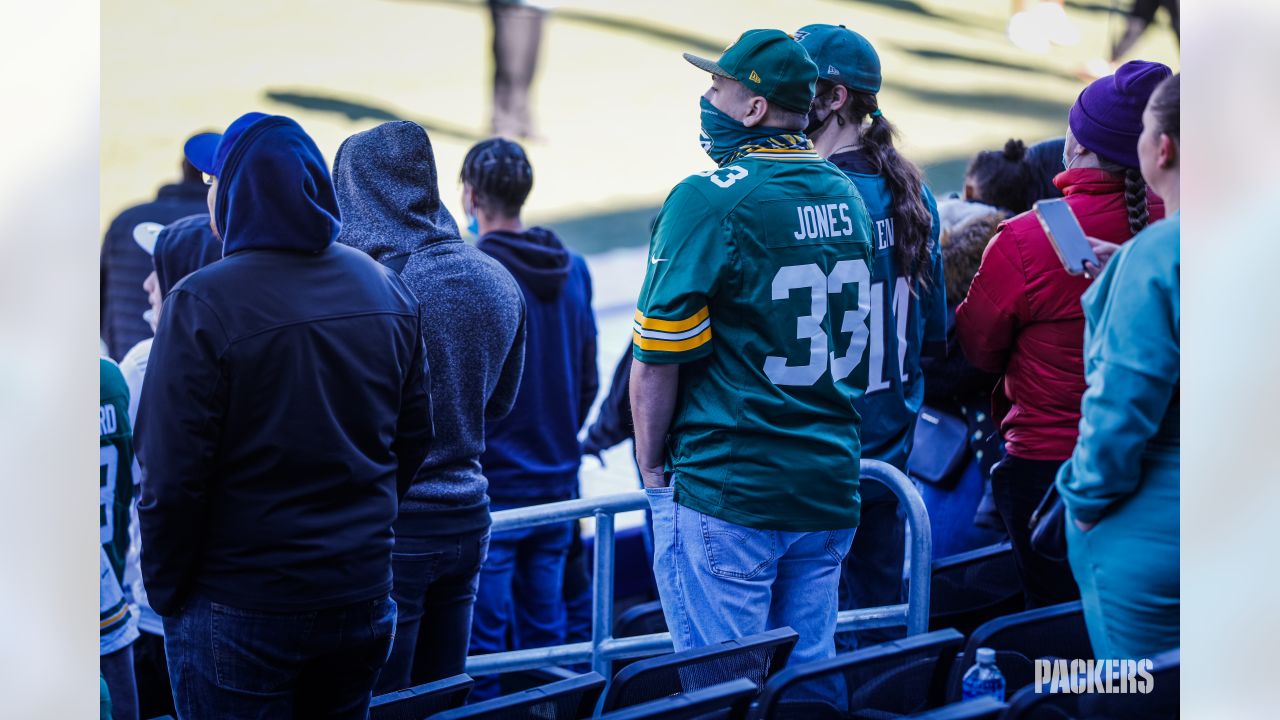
602 592
921 540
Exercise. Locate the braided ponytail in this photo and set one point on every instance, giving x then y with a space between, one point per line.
1135 200
913 223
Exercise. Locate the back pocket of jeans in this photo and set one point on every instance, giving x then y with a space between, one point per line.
257 652
734 551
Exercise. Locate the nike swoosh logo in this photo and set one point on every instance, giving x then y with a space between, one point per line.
656 260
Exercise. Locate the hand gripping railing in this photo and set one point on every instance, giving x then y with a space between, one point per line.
603 648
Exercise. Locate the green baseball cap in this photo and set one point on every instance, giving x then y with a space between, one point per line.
770 63
842 56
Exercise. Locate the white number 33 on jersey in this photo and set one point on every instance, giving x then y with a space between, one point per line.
725 176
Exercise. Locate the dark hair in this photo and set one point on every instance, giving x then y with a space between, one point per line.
1003 178
1164 104
499 174
190 173
912 221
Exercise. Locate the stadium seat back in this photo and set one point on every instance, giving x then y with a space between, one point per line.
982 708
565 700
887 680
972 588
1161 702
755 658
1022 638
643 619
726 701
418 702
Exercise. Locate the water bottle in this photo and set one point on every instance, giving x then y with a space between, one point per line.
984 677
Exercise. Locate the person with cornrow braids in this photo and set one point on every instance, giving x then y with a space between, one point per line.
1022 317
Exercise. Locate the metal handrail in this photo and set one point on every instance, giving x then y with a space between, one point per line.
603 648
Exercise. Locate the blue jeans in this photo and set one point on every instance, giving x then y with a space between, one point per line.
521 593
435 577
234 663
719 581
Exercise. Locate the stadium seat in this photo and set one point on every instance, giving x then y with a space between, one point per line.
643 619
887 680
418 702
983 708
727 700
971 588
755 657
1022 638
564 700
1161 702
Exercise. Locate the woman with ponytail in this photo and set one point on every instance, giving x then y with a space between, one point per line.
908 296
1022 317
1120 486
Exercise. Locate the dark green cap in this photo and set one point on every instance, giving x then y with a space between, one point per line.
842 56
769 63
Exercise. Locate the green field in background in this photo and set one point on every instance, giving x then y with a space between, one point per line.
615 104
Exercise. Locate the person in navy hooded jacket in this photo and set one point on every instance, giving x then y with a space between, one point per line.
532 455
284 412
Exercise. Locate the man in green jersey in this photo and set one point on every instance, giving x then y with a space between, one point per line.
749 344
117 617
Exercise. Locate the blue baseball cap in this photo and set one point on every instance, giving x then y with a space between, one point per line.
208 151
842 56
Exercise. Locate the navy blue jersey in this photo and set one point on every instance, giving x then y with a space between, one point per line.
906 317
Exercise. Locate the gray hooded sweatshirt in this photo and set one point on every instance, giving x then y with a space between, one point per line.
472 314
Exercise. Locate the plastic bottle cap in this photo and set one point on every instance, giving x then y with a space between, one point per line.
986 656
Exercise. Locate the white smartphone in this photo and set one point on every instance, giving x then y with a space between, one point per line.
1065 235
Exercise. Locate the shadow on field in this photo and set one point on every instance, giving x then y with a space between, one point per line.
1100 8
951 56
975 22
625 24
355 111
993 103
602 231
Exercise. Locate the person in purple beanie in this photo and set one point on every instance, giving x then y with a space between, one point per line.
1022 317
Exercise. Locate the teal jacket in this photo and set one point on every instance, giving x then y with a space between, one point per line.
1129 414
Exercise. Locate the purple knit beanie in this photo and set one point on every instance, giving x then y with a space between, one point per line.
1107 117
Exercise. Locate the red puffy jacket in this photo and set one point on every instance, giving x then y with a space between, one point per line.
1022 317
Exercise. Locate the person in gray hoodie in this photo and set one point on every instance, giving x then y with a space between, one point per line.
473 316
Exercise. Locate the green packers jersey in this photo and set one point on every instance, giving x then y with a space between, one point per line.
115 479
759 280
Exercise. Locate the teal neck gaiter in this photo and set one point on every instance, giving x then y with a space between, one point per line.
724 138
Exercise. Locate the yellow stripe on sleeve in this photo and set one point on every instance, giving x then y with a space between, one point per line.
672 325
124 610
696 341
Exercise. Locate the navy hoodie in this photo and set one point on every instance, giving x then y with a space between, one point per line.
124 266
286 401
472 315
532 456
183 247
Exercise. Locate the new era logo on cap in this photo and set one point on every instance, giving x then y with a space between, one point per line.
831 70
753 77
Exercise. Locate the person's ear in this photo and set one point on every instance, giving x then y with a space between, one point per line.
1168 152
757 108
839 98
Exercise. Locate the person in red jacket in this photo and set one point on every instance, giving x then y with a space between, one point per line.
1022 317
